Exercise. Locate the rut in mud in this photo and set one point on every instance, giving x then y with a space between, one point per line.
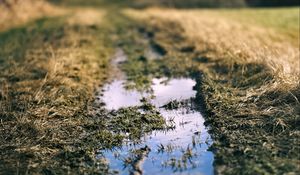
181 147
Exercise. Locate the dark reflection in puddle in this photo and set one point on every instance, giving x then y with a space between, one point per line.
179 151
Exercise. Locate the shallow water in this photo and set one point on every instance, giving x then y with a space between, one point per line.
116 96
179 151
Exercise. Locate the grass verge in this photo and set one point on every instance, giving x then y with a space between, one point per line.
251 106
50 122
49 72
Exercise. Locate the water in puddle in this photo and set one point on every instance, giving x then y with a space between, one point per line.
116 96
179 151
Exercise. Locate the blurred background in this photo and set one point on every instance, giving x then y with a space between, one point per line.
195 3
175 3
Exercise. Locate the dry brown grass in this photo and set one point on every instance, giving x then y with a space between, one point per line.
21 11
49 71
242 42
86 17
248 83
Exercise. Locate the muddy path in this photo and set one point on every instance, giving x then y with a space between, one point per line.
182 147
143 81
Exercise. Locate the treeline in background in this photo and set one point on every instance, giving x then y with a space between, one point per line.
171 3
218 3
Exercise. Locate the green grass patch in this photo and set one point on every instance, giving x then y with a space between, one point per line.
284 20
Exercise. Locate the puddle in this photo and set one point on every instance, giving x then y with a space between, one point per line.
116 96
179 151
175 89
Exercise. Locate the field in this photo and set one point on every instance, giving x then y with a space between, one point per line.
57 60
